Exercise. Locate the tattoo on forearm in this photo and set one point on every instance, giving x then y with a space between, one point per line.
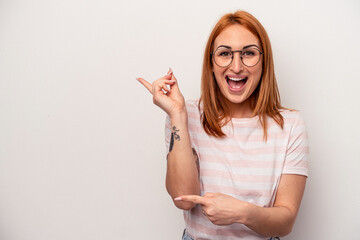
196 159
174 136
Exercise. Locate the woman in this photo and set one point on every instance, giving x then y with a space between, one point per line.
237 161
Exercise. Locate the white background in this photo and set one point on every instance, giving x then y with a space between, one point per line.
82 151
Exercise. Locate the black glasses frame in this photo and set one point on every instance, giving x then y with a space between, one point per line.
232 57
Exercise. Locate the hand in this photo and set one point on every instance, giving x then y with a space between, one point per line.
169 99
219 208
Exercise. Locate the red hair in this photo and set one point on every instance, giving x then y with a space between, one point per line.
265 100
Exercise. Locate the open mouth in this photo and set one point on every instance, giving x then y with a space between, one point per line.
236 83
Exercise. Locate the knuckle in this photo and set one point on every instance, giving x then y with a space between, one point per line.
209 195
214 221
156 83
154 99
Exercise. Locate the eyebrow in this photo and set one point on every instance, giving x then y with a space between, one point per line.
225 46
251 45
245 47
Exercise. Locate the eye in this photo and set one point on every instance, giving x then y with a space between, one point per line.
223 53
249 53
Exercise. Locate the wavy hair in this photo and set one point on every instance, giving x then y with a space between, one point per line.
265 100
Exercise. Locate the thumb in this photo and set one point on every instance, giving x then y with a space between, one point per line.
175 85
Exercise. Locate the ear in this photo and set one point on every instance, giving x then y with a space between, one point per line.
211 63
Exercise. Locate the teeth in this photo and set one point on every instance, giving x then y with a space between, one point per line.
236 79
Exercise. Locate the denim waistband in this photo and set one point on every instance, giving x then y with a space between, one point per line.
186 236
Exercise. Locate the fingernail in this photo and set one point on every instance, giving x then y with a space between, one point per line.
170 71
177 198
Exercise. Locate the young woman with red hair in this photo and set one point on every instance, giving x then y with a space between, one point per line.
237 161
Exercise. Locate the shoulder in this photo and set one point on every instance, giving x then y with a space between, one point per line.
294 123
292 117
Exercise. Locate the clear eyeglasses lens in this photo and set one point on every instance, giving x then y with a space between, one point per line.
224 56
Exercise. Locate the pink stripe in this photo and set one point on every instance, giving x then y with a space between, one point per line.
300 135
300 149
237 149
238 178
245 137
297 163
242 163
237 191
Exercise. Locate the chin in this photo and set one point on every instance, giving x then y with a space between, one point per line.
237 99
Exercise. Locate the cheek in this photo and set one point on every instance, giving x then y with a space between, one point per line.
257 72
256 76
218 73
215 70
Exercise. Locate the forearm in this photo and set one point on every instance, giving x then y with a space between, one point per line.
278 220
182 174
273 221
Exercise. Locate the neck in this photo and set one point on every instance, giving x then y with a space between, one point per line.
241 110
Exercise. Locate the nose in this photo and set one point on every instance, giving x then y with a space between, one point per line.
237 64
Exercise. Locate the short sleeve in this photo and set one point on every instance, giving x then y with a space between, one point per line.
297 153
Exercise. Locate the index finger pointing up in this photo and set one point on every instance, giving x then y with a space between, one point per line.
192 198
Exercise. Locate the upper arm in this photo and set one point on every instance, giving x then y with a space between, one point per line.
290 192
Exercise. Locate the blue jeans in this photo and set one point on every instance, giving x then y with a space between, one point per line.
187 237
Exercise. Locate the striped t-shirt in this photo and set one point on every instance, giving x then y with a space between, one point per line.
243 165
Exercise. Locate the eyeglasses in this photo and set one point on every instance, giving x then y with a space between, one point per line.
223 56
